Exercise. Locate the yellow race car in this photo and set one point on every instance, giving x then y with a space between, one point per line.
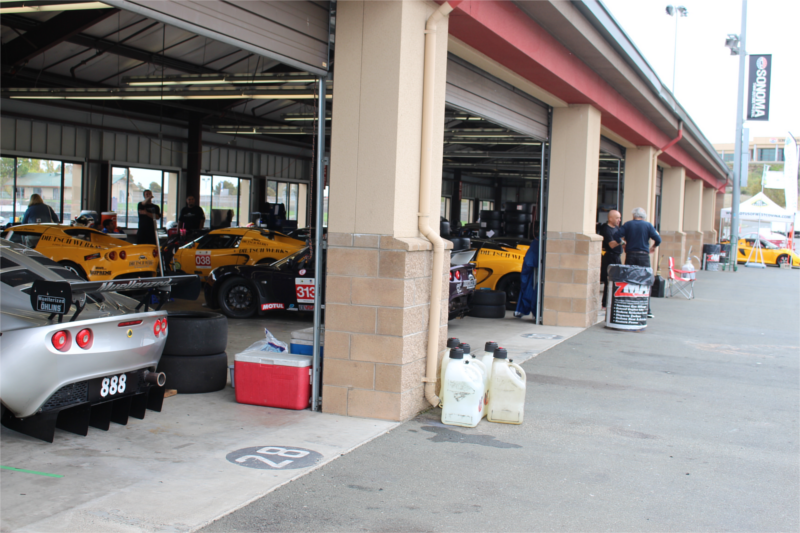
89 253
498 265
233 246
773 255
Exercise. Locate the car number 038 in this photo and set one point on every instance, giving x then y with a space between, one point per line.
113 385
304 288
202 258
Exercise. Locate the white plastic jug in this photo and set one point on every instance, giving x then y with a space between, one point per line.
506 390
452 342
465 348
487 359
462 401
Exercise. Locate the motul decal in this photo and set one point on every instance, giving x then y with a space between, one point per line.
268 307
630 290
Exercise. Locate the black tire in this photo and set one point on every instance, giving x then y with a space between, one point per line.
518 218
195 374
488 311
490 224
444 228
519 207
489 215
488 298
458 243
510 285
237 298
783 258
74 267
196 333
516 228
515 236
266 261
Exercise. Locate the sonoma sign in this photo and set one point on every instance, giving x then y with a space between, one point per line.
760 83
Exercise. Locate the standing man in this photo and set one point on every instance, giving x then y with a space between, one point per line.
637 234
192 216
526 301
612 249
148 214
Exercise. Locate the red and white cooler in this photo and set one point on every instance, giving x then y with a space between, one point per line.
273 379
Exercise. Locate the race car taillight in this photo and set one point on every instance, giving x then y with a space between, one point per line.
129 323
122 254
458 274
164 326
157 328
112 255
451 275
155 252
62 340
84 338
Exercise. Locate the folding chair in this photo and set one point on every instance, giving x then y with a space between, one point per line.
680 280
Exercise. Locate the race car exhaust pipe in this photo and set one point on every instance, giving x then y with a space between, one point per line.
156 378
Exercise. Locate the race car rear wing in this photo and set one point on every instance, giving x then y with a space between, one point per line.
56 297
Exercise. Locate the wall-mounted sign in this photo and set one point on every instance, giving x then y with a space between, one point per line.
758 90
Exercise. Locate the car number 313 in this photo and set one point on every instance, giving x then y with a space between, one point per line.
304 288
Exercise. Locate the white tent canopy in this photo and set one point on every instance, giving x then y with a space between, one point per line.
760 207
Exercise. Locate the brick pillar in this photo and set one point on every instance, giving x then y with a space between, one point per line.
673 239
692 220
572 262
709 213
639 183
379 275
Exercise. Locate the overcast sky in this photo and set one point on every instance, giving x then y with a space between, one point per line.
705 83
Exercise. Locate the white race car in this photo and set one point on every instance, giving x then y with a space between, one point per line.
75 353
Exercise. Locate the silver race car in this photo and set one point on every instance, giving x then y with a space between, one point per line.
74 353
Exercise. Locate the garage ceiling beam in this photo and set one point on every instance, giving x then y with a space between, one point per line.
45 36
110 47
493 155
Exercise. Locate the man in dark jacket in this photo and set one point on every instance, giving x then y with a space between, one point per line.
192 216
612 249
637 234
148 214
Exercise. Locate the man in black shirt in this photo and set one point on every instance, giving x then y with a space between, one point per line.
192 216
148 214
612 249
637 234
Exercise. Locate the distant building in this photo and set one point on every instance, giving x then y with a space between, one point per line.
761 150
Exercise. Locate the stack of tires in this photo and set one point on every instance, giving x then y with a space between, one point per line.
491 223
459 243
194 357
488 304
518 217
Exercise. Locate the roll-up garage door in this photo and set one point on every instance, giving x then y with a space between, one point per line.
472 90
609 147
295 33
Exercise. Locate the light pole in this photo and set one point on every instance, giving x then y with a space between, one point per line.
676 12
737 44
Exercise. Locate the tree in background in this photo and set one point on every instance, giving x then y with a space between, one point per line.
155 187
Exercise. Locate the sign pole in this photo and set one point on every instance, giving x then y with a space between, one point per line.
737 158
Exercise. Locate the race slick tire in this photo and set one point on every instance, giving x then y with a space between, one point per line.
237 298
511 284
515 235
489 215
491 224
783 258
459 243
518 218
488 298
487 311
515 229
74 267
195 374
196 333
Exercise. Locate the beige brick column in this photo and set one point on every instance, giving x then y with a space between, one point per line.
379 275
639 184
673 239
572 262
709 212
693 219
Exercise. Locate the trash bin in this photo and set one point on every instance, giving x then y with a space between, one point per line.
711 253
629 289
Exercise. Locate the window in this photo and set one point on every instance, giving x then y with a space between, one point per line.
780 155
28 239
223 193
728 158
293 196
127 190
466 211
59 183
218 241
487 205
766 154
444 210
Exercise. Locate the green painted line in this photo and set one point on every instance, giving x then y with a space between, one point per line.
29 471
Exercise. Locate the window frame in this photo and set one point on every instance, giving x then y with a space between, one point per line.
289 185
164 169
240 177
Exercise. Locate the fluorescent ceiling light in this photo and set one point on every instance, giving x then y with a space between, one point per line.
219 79
54 7
148 93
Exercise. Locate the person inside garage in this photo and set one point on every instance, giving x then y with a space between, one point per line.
526 302
612 249
148 214
192 216
637 234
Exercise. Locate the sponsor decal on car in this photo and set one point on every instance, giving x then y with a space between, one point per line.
304 307
67 241
202 258
139 264
99 271
304 288
90 257
270 307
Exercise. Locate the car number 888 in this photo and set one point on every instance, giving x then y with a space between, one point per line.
113 385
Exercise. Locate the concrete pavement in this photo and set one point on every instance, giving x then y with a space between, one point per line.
689 426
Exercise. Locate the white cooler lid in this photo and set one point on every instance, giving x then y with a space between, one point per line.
273 358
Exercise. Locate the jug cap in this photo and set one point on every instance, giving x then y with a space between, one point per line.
456 353
501 353
490 346
453 342
466 347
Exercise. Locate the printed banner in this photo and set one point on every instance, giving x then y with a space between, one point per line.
760 83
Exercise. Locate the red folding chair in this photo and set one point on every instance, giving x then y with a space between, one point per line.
682 280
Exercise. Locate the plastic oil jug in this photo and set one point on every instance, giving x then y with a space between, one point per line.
487 359
506 390
452 342
462 401
466 348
